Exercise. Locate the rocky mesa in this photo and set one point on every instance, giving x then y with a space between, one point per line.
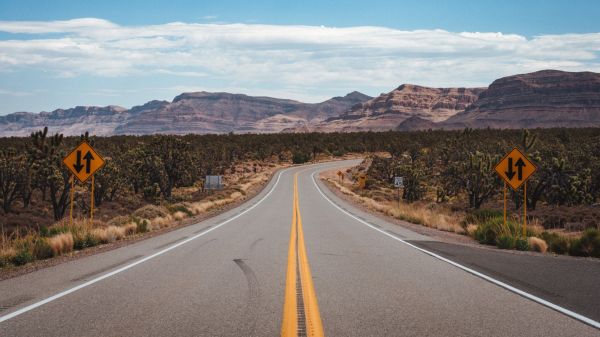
543 99
197 112
387 111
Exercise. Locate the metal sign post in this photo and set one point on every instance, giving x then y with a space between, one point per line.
398 183
515 169
83 162
72 197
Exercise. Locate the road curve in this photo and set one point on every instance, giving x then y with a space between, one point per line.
227 276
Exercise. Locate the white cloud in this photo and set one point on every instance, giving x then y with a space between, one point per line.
289 58
14 93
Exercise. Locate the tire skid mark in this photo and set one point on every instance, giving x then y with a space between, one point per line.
254 295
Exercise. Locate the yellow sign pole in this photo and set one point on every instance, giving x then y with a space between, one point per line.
92 203
525 210
505 204
72 197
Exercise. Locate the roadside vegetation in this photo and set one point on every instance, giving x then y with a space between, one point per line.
153 182
449 184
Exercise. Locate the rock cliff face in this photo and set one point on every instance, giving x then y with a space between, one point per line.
389 110
198 112
547 98
74 121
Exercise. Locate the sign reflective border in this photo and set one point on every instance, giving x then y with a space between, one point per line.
515 168
83 161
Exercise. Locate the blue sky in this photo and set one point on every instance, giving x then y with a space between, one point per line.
65 53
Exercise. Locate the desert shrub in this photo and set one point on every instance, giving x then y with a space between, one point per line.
130 228
41 249
109 234
6 256
488 231
587 245
521 244
61 243
505 241
142 225
151 212
537 244
300 158
84 240
180 208
57 229
44 231
337 153
22 257
119 220
4 262
556 243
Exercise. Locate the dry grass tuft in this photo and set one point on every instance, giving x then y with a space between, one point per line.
471 228
161 222
537 244
61 243
109 234
179 215
130 228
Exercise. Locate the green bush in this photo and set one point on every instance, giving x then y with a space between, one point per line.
4 261
587 245
82 241
44 232
521 244
22 257
55 230
300 158
505 241
41 249
556 243
488 231
142 225
337 153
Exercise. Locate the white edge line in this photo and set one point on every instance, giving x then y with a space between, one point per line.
529 296
131 265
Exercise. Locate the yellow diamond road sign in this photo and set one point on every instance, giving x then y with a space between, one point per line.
83 162
515 168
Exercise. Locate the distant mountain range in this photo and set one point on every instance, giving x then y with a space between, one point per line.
547 98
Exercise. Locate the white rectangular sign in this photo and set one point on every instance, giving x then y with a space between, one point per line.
398 182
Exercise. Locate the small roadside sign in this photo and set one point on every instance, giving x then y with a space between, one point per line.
515 168
83 162
398 182
213 182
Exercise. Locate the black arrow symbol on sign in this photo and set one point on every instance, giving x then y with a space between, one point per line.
510 173
520 164
88 159
77 166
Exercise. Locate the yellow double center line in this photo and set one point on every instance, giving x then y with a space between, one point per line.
300 310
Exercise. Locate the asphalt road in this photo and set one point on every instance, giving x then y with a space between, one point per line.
227 276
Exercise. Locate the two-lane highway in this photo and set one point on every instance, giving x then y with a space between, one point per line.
294 260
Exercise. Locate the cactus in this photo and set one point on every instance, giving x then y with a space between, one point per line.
47 154
528 140
478 178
